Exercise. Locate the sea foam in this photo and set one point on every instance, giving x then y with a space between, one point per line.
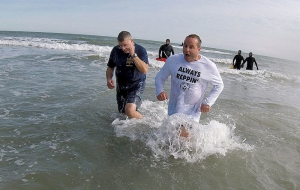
160 133
53 44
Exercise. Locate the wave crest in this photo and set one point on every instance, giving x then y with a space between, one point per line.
52 44
262 73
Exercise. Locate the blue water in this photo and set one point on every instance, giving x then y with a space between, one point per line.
60 128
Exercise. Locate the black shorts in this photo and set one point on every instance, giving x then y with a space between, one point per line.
130 94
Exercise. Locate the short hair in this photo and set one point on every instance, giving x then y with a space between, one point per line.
124 35
197 38
167 40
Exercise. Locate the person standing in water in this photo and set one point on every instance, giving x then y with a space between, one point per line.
250 60
238 60
130 63
191 74
165 50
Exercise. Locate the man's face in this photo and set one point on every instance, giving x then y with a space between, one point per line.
126 45
190 49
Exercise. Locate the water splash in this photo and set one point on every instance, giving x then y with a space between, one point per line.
161 133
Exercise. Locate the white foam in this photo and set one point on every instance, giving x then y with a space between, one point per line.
2 154
161 134
262 74
224 61
53 44
15 92
214 51
207 50
5 111
178 47
156 64
33 146
53 146
19 162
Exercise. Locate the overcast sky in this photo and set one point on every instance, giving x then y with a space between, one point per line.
265 27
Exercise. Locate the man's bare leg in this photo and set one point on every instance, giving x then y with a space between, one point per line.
130 111
183 132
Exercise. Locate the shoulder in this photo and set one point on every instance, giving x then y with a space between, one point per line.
115 48
139 48
207 62
141 52
176 57
116 51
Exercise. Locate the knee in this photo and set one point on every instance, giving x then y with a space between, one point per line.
130 110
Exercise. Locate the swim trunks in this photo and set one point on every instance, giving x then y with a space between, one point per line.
131 93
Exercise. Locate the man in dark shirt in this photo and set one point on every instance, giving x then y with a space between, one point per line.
165 50
238 60
131 63
250 61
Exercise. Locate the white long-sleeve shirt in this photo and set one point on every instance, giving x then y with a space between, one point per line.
189 81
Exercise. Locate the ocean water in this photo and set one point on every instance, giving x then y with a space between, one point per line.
60 129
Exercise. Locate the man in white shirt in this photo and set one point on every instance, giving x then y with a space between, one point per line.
191 73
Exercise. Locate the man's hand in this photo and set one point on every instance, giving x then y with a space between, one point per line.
162 96
204 108
110 84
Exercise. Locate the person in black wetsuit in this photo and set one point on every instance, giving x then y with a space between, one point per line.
238 60
165 50
250 61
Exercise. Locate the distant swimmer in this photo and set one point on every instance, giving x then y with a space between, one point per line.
165 50
238 60
250 61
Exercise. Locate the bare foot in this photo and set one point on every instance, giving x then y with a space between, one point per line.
183 132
